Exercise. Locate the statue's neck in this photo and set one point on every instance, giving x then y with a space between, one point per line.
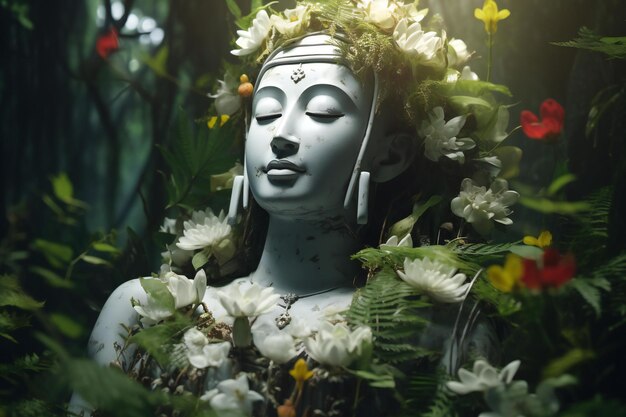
305 257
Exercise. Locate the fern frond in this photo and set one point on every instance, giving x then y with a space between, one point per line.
614 47
389 306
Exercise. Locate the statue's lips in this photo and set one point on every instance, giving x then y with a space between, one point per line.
282 170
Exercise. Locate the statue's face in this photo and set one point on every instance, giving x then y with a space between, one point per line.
304 137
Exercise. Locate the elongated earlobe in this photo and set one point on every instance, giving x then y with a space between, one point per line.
393 155
235 198
362 198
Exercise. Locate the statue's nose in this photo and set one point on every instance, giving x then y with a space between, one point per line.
285 145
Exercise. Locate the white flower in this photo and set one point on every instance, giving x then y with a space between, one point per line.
169 226
457 53
204 230
183 290
232 397
482 377
336 345
295 21
202 354
468 75
186 291
480 206
278 346
381 13
250 40
247 300
227 100
427 46
440 137
406 242
432 277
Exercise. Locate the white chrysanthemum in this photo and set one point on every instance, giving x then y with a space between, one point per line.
457 53
243 299
250 40
427 46
232 397
227 100
169 226
295 21
336 344
440 137
436 279
204 230
479 206
482 377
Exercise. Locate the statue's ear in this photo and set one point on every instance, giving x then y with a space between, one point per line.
393 154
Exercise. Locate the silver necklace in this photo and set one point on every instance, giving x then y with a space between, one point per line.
290 299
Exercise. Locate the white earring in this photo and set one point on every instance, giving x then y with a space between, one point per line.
235 197
362 198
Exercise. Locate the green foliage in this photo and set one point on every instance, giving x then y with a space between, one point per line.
588 234
12 295
390 308
373 259
405 226
589 290
481 253
157 340
193 157
597 406
20 10
614 47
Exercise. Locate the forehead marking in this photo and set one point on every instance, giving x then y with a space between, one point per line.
298 74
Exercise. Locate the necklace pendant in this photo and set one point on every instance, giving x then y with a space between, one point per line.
283 320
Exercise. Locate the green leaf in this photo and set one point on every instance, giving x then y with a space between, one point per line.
51 277
158 340
478 88
405 226
199 259
510 156
105 247
158 290
462 104
589 289
526 251
94 260
375 379
62 187
158 62
559 366
544 205
11 294
57 254
66 325
560 182
234 8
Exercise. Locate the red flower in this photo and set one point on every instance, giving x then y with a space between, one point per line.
551 124
107 43
555 271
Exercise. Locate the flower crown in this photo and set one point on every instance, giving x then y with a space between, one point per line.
422 76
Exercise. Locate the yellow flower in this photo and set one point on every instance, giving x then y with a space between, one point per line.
490 15
213 121
543 240
505 279
300 373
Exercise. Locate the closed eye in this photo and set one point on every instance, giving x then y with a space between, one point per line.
324 115
267 117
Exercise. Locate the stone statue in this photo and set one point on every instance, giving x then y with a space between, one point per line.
314 144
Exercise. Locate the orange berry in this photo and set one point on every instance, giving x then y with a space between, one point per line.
245 89
286 410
